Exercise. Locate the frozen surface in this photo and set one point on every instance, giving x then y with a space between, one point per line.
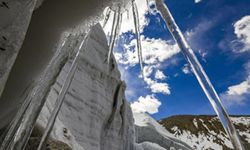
95 110
206 132
95 114
149 130
42 35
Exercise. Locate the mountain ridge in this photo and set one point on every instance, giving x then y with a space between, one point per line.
205 131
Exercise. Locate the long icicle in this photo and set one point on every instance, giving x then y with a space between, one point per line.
200 75
62 94
14 125
107 15
137 32
114 32
113 26
37 97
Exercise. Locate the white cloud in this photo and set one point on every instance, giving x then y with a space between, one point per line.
186 69
148 70
237 94
240 89
155 52
157 87
242 31
148 104
160 75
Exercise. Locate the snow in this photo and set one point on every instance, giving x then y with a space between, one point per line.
206 141
149 130
195 123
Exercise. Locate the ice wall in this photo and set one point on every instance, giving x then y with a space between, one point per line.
95 114
35 41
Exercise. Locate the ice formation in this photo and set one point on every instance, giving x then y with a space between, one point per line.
137 32
114 31
93 126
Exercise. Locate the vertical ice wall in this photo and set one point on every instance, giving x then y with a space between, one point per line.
14 21
49 22
95 110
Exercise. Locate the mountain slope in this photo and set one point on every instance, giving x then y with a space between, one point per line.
206 132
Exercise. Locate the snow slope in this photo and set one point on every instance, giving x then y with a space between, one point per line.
149 130
206 132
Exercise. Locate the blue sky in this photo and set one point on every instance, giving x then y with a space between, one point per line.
219 33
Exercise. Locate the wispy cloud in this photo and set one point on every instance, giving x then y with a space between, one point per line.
186 69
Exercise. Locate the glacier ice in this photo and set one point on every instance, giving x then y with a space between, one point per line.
64 90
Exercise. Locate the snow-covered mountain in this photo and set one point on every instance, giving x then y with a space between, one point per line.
206 132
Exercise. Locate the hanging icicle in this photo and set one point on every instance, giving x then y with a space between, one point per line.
114 32
62 93
200 75
15 123
137 32
38 99
107 15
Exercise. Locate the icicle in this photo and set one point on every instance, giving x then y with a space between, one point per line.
62 94
114 32
200 75
37 98
14 125
148 5
137 32
107 15
119 25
